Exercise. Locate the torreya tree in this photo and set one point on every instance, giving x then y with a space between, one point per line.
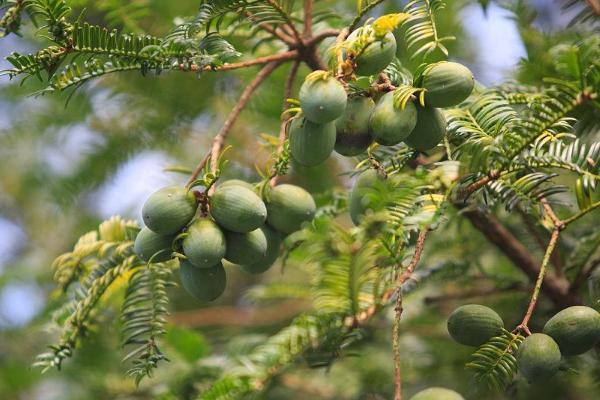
431 158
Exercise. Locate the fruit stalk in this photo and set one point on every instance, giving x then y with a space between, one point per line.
523 326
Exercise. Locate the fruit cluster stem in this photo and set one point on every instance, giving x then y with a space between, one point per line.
523 326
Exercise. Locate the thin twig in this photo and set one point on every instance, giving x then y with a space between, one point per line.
550 212
288 55
581 213
218 141
398 311
324 34
555 287
273 31
308 18
541 241
396 348
523 326
287 93
287 19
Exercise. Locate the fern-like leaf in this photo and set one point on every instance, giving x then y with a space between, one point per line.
143 317
495 363
422 36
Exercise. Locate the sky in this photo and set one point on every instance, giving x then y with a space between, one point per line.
498 52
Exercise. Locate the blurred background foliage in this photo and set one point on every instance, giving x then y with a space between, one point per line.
65 168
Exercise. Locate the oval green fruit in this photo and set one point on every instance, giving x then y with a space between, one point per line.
358 202
205 284
169 210
245 248
376 55
447 84
353 136
237 182
322 98
575 329
538 357
289 206
474 324
429 130
437 393
273 246
204 244
149 244
311 144
391 125
237 209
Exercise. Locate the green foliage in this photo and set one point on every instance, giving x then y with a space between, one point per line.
495 362
422 36
531 140
143 317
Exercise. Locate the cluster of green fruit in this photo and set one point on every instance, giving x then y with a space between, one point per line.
330 119
570 332
245 229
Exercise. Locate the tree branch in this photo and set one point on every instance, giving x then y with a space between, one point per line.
524 327
273 31
556 288
218 141
398 311
308 14
580 214
288 55
324 34
287 19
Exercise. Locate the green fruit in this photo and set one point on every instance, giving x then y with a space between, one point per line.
149 244
576 329
473 324
204 244
205 284
447 84
237 209
538 357
168 210
376 55
358 202
429 130
237 182
391 125
322 98
273 246
437 393
352 128
311 144
289 207
245 248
